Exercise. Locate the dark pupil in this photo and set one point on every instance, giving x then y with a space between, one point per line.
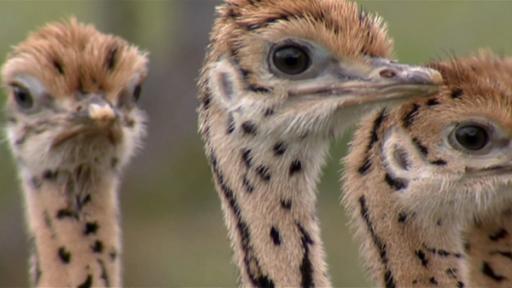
472 137
291 60
23 97
136 92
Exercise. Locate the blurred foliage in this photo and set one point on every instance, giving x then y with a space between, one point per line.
173 227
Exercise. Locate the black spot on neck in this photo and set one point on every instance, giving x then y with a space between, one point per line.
395 183
87 283
279 149
389 280
402 217
104 274
457 93
268 112
422 257
97 247
249 128
275 235
231 124
286 204
259 89
64 255
263 172
66 213
488 271
206 101
251 263
374 137
295 167
306 267
422 148
409 117
498 235
247 157
439 162
432 102
91 228
249 188
367 164
433 281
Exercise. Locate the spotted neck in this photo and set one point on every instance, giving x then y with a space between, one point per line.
267 186
488 251
73 221
401 247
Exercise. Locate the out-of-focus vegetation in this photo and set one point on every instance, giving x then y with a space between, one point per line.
173 228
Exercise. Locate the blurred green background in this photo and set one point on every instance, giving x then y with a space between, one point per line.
173 228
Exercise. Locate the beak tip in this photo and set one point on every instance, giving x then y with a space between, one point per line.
101 112
437 78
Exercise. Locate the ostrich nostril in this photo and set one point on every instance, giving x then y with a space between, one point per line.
388 73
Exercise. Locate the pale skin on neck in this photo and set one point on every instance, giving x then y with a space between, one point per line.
73 125
418 191
76 233
267 130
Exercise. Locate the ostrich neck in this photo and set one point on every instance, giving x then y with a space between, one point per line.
267 186
73 221
402 246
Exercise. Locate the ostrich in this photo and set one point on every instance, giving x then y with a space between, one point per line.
281 79
419 175
72 125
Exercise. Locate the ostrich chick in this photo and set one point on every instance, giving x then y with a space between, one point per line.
73 124
420 174
282 78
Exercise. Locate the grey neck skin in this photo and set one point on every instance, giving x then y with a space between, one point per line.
402 246
74 226
267 187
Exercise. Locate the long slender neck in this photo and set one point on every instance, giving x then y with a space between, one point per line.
73 219
267 188
402 247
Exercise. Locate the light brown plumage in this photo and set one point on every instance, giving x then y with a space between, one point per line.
282 77
73 125
419 175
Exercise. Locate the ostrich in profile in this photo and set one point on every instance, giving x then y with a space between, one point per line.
72 125
420 175
281 79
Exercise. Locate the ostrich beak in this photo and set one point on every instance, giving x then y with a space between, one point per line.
97 118
375 81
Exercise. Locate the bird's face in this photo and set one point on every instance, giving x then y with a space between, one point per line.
456 148
311 65
77 108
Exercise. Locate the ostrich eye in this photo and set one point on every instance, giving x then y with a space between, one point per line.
291 59
136 92
472 137
23 97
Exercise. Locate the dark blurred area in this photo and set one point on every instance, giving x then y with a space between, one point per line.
174 234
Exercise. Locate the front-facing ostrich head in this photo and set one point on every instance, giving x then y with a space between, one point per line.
309 65
72 98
